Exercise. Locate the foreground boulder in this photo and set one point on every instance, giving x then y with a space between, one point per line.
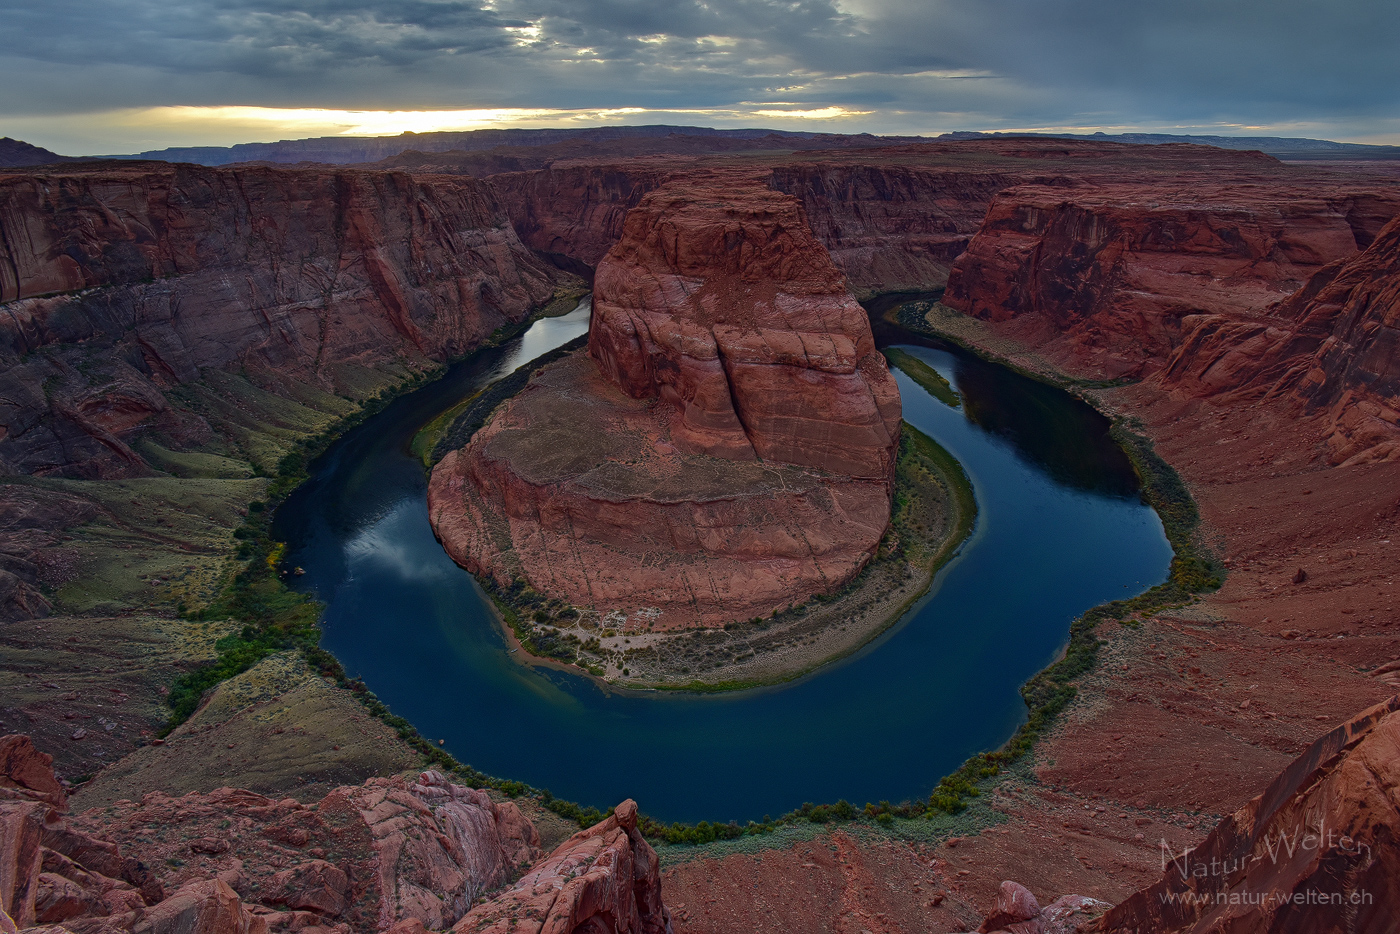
208 907
1317 851
603 879
724 451
1018 912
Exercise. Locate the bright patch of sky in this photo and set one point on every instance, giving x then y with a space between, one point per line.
106 76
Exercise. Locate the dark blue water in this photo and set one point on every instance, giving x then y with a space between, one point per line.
1060 529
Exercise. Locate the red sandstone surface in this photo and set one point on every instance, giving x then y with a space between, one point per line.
1326 826
1328 347
601 879
720 302
392 854
659 484
1100 278
584 493
138 277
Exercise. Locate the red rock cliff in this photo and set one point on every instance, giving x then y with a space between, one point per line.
728 455
175 268
724 305
1333 345
1102 276
394 854
576 210
892 227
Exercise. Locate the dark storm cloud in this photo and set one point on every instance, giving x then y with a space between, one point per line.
997 62
249 36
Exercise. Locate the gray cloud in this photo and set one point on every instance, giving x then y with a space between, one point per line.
1041 62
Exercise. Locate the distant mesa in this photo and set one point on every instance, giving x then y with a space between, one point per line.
16 153
724 450
488 151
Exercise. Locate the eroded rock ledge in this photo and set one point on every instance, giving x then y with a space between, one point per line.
405 854
724 451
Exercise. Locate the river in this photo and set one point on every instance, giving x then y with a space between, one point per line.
1061 528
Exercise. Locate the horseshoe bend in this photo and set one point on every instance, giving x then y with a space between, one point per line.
723 487
723 451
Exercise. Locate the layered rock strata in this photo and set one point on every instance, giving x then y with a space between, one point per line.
119 283
575 210
1314 852
583 492
725 450
1333 346
893 218
1103 278
399 854
726 307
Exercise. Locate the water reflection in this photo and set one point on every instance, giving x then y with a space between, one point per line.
884 724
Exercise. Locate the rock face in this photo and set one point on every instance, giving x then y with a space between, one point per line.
27 774
575 210
1103 278
893 227
1317 847
390 854
1332 345
208 907
725 451
133 279
604 878
725 306
582 492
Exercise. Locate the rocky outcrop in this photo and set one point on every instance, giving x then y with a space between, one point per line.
1315 852
1333 345
719 302
1018 912
582 492
21 830
119 283
437 846
27 774
392 854
724 452
1106 278
208 907
604 879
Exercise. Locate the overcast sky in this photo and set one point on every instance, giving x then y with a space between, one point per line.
110 76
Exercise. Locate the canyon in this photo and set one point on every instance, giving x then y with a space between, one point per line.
653 481
1241 310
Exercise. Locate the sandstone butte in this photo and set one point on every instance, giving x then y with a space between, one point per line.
725 450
